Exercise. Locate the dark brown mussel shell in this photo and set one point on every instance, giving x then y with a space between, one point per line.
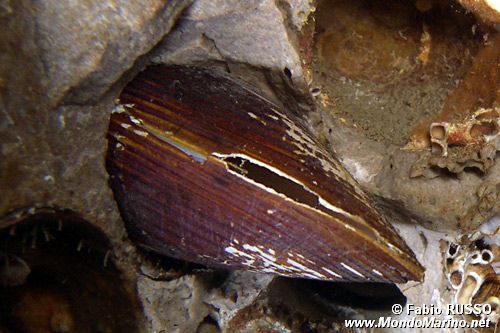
207 170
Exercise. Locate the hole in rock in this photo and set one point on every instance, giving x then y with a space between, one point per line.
452 250
287 72
57 275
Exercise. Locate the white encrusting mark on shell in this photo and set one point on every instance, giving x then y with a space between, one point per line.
126 126
269 270
348 226
118 137
254 116
141 133
352 270
263 261
377 272
267 260
308 147
236 252
249 262
264 255
120 108
136 121
394 248
305 269
329 271
197 156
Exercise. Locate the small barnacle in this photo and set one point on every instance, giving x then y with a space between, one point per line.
465 134
481 128
483 257
472 272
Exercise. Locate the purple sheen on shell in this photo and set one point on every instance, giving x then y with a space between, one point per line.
206 169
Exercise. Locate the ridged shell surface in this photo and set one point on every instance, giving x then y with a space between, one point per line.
206 169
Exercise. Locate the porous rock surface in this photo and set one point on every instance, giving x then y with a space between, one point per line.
445 204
